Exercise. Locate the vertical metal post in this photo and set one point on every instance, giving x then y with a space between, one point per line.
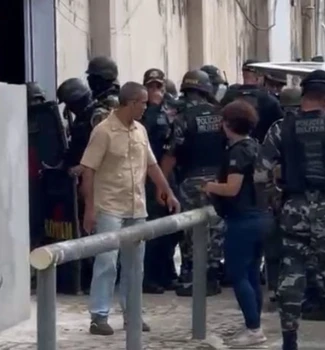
134 300
46 309
200 246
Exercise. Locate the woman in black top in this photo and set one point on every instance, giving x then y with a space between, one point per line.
245 223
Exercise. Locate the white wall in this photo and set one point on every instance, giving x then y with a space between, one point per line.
73 39
228 37
143 34
280 35
14 214
147 34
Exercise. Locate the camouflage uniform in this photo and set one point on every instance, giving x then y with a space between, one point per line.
159 267
290 103
102 79
192 197
302 220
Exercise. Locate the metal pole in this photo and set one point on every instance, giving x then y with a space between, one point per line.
46 309
200 246
134 299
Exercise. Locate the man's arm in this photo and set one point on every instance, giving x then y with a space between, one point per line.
173 145
87 188
91 161
269 154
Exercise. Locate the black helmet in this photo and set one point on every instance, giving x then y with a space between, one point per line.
104 67
314 81
72 90
214 74
318 59
171 87
315 77
197 80
34 91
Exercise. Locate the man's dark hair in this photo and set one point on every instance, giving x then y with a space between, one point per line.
130 91
240 117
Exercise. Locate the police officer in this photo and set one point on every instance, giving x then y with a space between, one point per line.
196 132
218 83
102 79
78 101
267 106
275 82
159 268
297 143
171 88
35 94
290 99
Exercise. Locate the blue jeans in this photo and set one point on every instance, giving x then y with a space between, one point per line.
104 270
243 250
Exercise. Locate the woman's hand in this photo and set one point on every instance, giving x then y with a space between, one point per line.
208 187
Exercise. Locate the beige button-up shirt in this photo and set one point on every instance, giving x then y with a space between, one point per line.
120 157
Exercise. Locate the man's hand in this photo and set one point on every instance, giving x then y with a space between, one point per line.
161 197
277 172
89 221
76 170
169 200
173 204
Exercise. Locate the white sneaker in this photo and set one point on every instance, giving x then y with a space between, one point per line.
234 331
248 338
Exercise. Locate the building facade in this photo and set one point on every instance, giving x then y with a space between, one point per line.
60 36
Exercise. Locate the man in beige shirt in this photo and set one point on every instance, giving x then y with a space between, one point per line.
116 162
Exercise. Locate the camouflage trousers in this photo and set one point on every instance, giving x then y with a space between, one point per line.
272 254
303 225
192 197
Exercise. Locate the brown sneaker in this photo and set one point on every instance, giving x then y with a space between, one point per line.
99 326
145 327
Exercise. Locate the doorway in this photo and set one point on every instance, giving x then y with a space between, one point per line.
12 42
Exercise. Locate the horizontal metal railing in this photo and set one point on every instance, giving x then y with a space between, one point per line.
46 258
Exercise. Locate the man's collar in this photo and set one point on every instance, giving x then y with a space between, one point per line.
118 125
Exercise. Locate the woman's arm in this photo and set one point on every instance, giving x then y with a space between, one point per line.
229 189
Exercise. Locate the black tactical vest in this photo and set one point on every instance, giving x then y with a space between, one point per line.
80 132
204 140
303 152
250 96
156 122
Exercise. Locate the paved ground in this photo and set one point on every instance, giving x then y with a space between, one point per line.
170 319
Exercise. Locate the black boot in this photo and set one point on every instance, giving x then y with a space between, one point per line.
290 340
152 288
312 311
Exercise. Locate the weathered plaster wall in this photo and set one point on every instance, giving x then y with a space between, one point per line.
228 36
149 33
73 39
173 35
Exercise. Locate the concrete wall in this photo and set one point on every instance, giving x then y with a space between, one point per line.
14 216
147 34
73 38
280 34
173 35
228 32
229 39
